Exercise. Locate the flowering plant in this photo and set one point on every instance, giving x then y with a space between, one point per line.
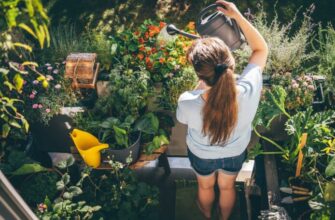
300 89
45 94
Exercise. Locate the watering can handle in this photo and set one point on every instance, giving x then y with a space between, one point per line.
204 12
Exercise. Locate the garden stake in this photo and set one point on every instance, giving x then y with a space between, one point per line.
300 156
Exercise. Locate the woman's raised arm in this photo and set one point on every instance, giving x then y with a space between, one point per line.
254 38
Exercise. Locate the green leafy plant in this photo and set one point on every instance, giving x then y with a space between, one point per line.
65 207
120 194
326 55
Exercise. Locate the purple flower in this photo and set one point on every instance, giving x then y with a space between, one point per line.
47 110
56 71
35 82
58 86
35 106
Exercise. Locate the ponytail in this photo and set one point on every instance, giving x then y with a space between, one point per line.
220 110
214 64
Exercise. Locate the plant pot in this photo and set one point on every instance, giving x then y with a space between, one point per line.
121 155
276 129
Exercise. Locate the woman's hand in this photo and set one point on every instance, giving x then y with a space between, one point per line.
229 9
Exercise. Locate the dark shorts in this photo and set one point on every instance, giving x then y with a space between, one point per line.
206 167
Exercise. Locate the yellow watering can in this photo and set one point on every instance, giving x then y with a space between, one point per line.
88 146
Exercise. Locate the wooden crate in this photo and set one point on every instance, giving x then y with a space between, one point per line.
82 69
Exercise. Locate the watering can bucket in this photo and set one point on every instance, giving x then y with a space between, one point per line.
214 24
88 147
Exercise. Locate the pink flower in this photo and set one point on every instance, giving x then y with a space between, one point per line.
310 87
295 86
56 71
58 86
35 106
42 207
293 81
305 84
49 68
40 106
47 110
35 82
34 92
32 96
48 64
49 77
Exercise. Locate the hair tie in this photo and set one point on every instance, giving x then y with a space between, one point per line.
220 68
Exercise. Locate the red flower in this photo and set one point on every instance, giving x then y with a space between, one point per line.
141 40
161 60
142 48
140 56
153 30
161 24
137 33
153 50
146 35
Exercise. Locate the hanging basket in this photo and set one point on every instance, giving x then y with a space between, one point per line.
82 69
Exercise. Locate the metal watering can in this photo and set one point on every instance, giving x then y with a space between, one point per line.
214 25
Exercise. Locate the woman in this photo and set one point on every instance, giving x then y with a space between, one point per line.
220 114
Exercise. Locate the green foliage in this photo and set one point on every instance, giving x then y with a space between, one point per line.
16 16
272 106
185 80
287 50
326 55
120 194
330 169
35 188
129 93
115 132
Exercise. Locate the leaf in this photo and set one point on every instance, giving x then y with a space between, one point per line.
29 168
121 136
329 194
330 170
60 185
75 190
24 46
67 195
66 162
18 82
29 63
148 124
66 178
28 29
113 49
5 130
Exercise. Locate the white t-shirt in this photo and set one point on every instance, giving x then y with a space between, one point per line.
190 105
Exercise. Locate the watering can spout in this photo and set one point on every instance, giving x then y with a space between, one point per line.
172 30
88 147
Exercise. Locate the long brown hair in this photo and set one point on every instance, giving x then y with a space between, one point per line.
220 110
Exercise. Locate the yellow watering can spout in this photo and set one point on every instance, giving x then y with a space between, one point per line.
88 146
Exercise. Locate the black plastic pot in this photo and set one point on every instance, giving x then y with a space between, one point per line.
121 155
